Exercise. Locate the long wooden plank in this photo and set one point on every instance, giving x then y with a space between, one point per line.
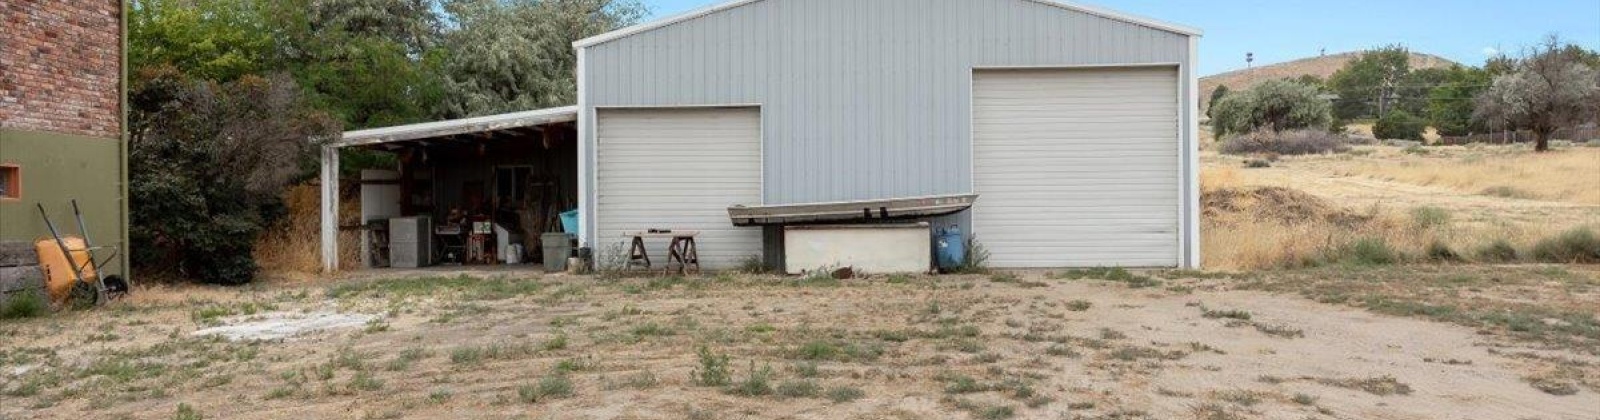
21 277
15 253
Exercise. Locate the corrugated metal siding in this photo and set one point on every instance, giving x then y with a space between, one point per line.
861 99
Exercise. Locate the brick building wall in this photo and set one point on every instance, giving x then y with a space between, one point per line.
60 66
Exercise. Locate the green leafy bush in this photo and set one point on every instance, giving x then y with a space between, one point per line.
1399 125
713 369
207 163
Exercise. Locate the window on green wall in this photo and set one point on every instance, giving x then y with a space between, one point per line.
10 182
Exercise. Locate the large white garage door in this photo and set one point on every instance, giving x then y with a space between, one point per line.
679 169
1077 168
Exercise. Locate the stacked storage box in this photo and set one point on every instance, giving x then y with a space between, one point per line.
19 272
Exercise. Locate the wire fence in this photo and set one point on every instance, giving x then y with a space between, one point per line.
1524 136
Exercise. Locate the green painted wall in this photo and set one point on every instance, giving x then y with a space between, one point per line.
55 169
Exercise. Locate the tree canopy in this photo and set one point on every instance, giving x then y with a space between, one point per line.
1275 105
517 55
1450 103
1553 87
1370 84
226 93
382 62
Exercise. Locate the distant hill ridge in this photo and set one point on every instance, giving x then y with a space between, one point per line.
1321 67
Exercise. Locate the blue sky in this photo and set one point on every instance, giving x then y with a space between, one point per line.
1461 30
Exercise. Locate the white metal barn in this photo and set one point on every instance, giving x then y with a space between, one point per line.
1075 126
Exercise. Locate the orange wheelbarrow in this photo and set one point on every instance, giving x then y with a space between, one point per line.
72 273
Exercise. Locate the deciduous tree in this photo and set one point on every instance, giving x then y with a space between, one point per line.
517 55
1450 103
1370 84
1552 87
213 39
207 161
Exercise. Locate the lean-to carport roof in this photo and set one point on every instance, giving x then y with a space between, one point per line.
1092 10
456 127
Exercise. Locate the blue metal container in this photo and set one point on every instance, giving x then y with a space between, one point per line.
950 248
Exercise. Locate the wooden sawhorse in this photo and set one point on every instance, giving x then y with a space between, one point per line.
681 252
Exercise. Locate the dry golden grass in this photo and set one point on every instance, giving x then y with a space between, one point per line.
1568 175
290 249
1247 228
1254 234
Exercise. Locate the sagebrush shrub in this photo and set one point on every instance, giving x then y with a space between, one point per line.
1297 142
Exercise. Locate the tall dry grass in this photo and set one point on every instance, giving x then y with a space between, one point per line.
1269 227
1567 175
292 249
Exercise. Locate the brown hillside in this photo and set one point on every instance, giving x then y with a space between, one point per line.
1322 67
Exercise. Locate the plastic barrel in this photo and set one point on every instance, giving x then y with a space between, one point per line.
951 248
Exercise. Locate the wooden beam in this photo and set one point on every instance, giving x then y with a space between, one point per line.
527 131
330 209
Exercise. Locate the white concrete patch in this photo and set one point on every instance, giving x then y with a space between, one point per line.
281 325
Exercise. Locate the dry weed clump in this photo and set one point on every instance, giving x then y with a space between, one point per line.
1273 227
291 245
1295 142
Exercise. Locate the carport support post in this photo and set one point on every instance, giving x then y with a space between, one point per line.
330 209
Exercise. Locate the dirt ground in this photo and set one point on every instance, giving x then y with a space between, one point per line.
1008 345
1417 340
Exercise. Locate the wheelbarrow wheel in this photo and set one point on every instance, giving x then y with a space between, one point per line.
116 287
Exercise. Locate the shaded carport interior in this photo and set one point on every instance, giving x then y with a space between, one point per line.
438 163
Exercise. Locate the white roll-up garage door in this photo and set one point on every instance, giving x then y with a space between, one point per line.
1077 167
679 169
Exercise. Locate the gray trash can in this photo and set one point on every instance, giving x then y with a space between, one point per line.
557 247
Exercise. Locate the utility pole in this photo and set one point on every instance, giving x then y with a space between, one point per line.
1249 60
